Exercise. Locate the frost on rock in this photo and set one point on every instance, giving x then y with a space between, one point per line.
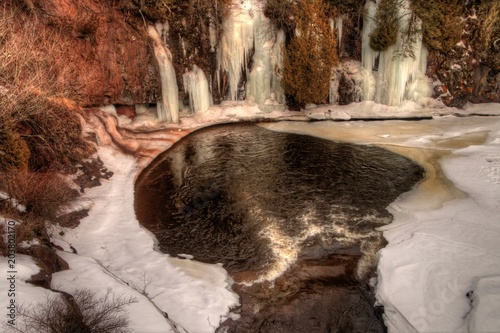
168 107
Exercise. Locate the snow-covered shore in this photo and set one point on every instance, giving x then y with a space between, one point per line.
443 243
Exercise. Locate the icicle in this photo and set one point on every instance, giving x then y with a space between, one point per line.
168 107
367 54
339 25
420 86
196 85
212 33
247 28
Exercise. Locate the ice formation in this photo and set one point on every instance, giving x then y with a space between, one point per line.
168 107
396 78
196 85
234 48
247 29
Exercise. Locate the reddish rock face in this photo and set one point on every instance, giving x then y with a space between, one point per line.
126 110
106 53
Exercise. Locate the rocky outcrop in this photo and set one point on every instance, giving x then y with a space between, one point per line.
107 56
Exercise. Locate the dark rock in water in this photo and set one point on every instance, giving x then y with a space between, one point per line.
314 296
339 309
292 218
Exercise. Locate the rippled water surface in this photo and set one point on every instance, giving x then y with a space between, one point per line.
280 207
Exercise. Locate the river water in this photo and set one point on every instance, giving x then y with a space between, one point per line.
291 217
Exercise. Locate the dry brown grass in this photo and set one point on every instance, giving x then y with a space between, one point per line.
30 85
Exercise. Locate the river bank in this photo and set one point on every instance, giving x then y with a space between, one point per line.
447 271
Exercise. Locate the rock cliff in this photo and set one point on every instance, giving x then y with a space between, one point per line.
109 56
107 52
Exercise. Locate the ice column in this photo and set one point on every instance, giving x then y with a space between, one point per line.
168 107
368 56
277 64
196 85
263 85
397 78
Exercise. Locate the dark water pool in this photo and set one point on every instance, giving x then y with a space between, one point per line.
291 217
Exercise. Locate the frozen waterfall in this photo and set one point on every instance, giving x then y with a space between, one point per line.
234 48
247 29
168 107
396 78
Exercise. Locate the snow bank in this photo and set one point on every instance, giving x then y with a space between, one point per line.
441 269
439 272
18 290
115 251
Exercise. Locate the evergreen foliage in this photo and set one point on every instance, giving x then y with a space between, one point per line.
280 12
310 56
442 25
386 29
488 41
343 7
409 35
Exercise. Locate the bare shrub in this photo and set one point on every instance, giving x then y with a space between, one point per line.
281 14
81 312
41 194
154 10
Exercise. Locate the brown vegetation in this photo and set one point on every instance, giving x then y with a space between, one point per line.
40 132
33 199
82 312
310 55
40 128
